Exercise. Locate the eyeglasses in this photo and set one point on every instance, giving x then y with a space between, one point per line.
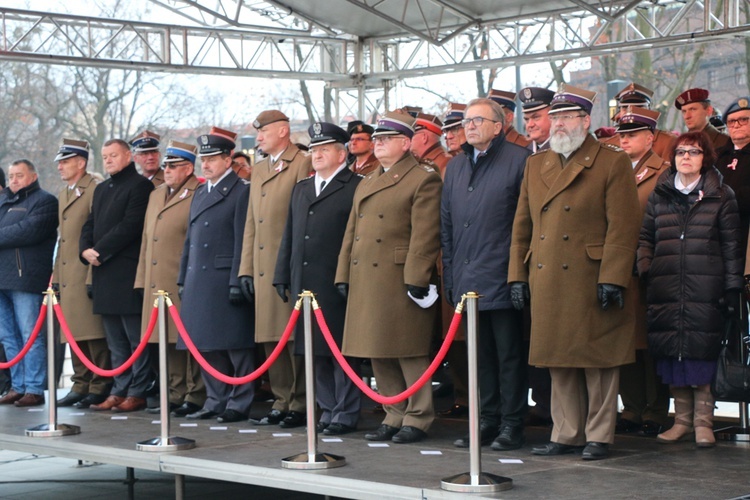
477 121
564 118
738 122
356 139
693 152
382 139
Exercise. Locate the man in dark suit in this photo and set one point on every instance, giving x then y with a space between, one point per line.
307 260
111 243
216 314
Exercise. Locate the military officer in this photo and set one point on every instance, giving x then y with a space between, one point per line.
273 180
362 159
645 399
214 310
508 101
535 103
387 262
307 260
242 165
164 231
70 277
573 248
634 95
696 109
425 145
146 154
453 130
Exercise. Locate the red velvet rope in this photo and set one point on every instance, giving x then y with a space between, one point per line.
388 400
30 342
91 366
216 373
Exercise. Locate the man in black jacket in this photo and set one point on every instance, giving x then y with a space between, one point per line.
28 223
477 210
111 243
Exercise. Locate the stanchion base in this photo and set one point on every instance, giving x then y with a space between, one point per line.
736 434
485 483
45 430
317 461
172 443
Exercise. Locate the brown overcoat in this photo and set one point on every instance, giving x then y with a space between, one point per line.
392 239
718 139
158 178
436 157
164 229
647 171
662 146
512 136
69 272
270 193
576 227
370 164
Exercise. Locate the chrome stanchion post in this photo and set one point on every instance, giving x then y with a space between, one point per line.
164 442
312 459
51 428
474 481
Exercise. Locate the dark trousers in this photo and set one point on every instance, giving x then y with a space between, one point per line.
644 396
503 381
335 393
220 396
123 334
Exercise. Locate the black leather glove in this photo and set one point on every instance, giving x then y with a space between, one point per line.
731 305
281 290
610 294
248 288
519 294
418 292
55 287
180 290
343 289
449 296
90 291
236 297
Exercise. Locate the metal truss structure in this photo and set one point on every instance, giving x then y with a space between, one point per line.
356 45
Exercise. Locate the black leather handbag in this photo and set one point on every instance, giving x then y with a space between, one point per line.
731 381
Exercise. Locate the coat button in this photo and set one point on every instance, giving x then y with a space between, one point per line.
545 209
65 217
159 217
261 274
304 263
203 268
466 261
539 266
260 221
565 266
361 215
566 208
380 215
64 285
356 238
378 240
262 194
156 238
355 262
374 264
63 241
260 247
153 262
566 237
205 223
64 263
153 285
541 237
310 212
466 224
205 245
471 188
307 237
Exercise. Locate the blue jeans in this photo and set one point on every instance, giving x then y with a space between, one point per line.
18 314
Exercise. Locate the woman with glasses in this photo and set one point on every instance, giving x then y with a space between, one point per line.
689 256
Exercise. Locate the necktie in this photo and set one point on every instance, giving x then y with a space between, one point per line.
322 185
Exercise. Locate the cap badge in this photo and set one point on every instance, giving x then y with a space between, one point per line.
742 103
317 128
681 100
204 139
358 129
527 93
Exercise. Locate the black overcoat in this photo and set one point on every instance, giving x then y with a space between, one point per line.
114 228
209 265
310 248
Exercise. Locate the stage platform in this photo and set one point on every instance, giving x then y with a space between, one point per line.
244 453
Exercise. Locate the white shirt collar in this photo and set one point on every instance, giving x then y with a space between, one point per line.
319 179
212 185
679 186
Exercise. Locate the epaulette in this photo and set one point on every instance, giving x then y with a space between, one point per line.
244 181
611 146
427 167
538 152
360 176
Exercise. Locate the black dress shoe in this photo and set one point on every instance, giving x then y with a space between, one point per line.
510 438
595 451
337 429
553 448
202 414
230 416
455 411
273 418
293 419
321 426
625 426
651 429
70 399
384 433
409 434
155 410
487 433
443 389
185 409
91 399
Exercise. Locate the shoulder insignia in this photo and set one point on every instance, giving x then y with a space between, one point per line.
244 181
539 152
427 167
611 146
360 176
